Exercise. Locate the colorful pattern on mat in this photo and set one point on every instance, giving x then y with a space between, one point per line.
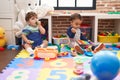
25 68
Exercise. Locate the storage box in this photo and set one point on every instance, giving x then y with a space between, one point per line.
60 40
108 39
87 29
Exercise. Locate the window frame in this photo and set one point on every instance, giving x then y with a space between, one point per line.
75 8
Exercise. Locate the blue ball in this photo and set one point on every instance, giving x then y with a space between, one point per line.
105 65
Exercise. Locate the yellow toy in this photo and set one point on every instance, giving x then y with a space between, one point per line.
2 37
118 54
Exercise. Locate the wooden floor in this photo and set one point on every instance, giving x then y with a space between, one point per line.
5 58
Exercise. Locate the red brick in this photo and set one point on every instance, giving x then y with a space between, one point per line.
63 17
56 22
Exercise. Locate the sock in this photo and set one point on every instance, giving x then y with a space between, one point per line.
42 46
30 50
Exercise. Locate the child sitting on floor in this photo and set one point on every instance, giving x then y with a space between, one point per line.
31 34
75 34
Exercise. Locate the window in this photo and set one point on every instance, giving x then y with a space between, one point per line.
70 4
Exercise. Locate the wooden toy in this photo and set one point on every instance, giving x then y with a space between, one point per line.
45 53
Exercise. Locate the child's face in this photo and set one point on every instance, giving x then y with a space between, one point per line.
76 23
32 21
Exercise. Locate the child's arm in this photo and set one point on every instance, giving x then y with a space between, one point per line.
82 37
42 30
71 32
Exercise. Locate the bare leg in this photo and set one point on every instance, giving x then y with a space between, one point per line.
99 47
78 49
44 44
29 49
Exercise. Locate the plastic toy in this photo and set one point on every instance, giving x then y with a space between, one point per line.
113 12
105 65
88 48
85 44
90 54
81 42
63 54
118 46
60 39
60 36
114 45
82 77
62 51
13 47
45 53
53 47
118 55
2 37
107 33
2 49
78 67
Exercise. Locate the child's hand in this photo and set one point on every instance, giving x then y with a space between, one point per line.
29 42
38 23
73 30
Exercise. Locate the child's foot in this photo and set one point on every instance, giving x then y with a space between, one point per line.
74 53
78 49
31 55
99 47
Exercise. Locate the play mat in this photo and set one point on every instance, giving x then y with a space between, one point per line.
23 67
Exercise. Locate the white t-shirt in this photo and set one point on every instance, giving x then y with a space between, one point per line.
77 35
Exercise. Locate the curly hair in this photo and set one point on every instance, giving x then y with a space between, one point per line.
75 16
29 15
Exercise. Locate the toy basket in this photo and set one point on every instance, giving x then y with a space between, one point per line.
61 40
108 39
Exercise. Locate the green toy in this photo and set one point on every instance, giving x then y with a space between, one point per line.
114 45
113 12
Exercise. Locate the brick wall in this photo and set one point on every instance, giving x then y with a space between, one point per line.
61 23
106 25
102 6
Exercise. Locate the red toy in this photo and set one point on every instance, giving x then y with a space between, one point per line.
36 58
2 49
63 54
118 46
